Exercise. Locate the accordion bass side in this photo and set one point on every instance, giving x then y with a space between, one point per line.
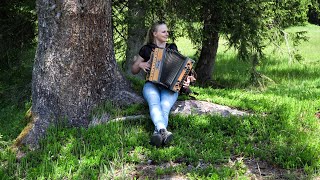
169 68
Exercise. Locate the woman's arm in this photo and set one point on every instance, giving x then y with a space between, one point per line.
139 64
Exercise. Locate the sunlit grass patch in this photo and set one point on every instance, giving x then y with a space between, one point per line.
186 47
309 49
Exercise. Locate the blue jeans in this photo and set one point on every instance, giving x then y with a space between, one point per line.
160 101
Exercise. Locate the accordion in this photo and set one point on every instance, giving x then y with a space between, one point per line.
169 68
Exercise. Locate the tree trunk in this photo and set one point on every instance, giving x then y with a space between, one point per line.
136 32
75 67
205 65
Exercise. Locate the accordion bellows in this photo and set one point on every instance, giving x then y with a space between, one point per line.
169 68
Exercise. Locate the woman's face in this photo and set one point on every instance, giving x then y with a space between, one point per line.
162 34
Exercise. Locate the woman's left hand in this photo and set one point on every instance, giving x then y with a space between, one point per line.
187 82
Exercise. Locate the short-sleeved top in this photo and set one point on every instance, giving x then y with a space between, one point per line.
145 51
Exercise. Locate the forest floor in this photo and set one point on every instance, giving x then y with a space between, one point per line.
254 169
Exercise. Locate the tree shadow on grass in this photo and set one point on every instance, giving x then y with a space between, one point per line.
230 72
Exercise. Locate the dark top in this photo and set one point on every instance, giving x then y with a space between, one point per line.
146 50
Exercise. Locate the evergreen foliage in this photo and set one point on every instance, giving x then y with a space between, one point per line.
249 26
313 12
17 30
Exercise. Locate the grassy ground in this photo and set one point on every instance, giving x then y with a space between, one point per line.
284 133
15 90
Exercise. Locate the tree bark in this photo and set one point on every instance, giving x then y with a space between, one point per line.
75 67
210 42
136 32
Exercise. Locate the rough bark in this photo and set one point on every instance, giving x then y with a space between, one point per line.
209 49
136 32
75 67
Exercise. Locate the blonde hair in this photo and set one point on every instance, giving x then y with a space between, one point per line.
153 28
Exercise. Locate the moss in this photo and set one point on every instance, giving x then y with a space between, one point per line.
18 141
28 116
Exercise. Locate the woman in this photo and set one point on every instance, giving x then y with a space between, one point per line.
159 98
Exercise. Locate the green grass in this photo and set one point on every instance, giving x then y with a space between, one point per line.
80 153
15 90
309 49
283 132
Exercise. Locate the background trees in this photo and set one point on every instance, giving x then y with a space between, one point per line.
17 30
130 17
247 26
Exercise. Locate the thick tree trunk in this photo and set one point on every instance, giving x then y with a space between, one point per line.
74 68
205 65
136 32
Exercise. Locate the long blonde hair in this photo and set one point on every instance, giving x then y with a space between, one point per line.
153 28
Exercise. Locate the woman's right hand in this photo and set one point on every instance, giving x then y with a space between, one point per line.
145 66
138 64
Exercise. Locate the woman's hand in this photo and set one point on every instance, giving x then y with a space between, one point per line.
189 80
145 66
138 63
